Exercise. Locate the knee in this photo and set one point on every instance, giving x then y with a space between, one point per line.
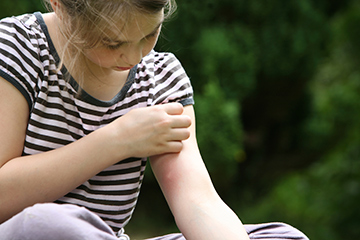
275 231
51 214
34 222
59 222
291 232
48 219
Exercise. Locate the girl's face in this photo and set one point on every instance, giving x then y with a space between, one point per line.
120 51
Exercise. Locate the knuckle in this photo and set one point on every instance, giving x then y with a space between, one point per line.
157 108
164 122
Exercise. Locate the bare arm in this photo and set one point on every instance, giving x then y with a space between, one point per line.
198 210
45 177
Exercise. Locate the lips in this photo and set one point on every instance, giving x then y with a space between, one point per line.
124 68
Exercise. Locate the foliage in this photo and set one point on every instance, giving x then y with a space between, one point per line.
261 55
17 7
336 100
220 131
277 97
226 56
323 200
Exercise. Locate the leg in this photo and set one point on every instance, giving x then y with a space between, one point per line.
174 236
51 221
274 231
266 231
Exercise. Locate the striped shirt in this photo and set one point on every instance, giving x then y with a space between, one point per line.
59 116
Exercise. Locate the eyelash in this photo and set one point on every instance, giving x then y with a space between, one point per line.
114 47
117 46
152 35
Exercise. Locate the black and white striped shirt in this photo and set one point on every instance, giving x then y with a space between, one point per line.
59 116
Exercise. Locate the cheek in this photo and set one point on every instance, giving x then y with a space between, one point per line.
100 57
149 46
146 51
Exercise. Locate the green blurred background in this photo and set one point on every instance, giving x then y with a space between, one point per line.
277 91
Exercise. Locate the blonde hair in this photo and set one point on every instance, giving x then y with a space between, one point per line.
85 22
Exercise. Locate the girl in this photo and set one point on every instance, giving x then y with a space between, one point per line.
84 100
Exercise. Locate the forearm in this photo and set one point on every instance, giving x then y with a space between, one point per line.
210 220
48 176
198 210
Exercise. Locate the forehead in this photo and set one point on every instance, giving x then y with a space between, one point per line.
135 27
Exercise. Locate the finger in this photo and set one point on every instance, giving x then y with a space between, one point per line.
180 121
173 108
178 134
174 147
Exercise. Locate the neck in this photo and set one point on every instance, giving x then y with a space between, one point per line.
100 83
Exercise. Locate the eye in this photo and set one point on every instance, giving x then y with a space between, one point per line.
152 35
113 46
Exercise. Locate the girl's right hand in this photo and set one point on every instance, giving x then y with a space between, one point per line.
154 130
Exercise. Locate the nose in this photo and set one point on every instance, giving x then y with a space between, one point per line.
132 54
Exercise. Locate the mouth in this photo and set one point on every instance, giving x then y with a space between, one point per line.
124 68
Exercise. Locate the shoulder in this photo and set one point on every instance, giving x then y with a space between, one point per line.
24 28
157 57
28 20
21 38
23 49
159 61
169 81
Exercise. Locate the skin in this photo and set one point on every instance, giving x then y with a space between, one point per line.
198 210
167 135
112 60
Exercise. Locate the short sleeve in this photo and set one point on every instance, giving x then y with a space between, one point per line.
170 81
19 56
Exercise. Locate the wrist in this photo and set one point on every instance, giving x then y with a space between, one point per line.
112 144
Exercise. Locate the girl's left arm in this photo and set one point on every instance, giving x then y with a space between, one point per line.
198 210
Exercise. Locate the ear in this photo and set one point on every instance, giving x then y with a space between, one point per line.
55 5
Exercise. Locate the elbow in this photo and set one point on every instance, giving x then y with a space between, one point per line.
10 203
5 208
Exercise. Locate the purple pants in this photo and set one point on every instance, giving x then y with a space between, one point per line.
51 221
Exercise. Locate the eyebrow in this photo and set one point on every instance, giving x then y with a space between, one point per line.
156 29
106 39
